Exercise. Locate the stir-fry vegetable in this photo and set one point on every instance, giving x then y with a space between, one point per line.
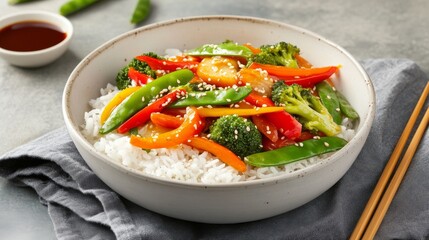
191 126
166 65
227 48
143 115
73 6
300 101
115 102
330 100
18 1
220 71
141 11
306 77
143 96
214 98
295 152
223 153
346 108
266 111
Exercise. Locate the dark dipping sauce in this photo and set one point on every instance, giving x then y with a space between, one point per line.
30 36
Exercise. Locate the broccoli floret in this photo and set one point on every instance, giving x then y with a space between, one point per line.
237 134
122 79
280 54
300 101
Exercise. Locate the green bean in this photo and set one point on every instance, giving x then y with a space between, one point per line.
299 151
73 6
141 11
329 99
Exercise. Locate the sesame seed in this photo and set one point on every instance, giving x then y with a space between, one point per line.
328 97
248 128
301 144
326 144
235 131
337 109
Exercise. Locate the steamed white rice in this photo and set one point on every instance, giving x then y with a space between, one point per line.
182 163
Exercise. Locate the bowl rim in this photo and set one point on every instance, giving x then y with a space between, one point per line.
59 20
74 130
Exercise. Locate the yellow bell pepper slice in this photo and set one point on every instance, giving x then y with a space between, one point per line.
218 112
116 100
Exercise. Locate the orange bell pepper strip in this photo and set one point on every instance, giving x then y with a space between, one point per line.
116 100
191 126
142 116
306 77
254 50
165 120
223 153
302 62
218 112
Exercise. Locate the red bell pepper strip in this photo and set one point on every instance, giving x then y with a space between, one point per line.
143 115
189 128
166 65
138 77
259 100
306 77
285 123
267 128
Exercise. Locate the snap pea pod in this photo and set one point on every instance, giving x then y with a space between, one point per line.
215 97
224 49
141 11
12 2
73 6
292 153
329 99
346 108
143 96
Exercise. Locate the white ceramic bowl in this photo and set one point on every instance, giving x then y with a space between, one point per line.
40 57
216 203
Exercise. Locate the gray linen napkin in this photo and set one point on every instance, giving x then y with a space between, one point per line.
83 207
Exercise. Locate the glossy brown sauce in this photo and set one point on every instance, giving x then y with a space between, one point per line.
30 36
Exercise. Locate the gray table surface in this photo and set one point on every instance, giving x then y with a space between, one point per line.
30 99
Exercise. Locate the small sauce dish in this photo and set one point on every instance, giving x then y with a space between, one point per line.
34 38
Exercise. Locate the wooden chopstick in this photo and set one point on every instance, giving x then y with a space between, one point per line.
397 179
374 199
